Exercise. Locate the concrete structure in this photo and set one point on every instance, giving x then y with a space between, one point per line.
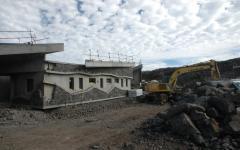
26 77
22 70
137 76
13 49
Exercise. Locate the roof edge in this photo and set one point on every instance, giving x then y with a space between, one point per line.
16 48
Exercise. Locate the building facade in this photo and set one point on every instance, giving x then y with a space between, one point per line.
26 77
69 84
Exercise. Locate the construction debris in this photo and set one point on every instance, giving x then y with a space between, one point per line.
206 115
13 116
234 124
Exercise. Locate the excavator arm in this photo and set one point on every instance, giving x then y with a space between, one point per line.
212 65
160 91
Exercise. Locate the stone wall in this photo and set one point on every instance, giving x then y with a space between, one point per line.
61 97
89 109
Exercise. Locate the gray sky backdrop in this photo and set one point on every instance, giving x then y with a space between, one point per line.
159 32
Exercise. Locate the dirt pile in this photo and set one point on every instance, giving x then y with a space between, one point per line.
205 116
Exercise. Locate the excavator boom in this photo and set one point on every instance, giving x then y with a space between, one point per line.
212 65
171 85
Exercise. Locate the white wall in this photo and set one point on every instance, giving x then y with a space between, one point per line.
63 82
48 91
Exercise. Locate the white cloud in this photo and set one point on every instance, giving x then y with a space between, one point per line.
154 31
151 66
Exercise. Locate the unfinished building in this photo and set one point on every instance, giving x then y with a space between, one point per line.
26 77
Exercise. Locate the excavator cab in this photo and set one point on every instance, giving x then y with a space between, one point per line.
157 92
153 87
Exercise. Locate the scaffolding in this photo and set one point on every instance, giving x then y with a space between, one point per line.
109 56
27 37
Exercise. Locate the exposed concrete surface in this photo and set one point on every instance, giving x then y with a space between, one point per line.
13 49
137 76
12 64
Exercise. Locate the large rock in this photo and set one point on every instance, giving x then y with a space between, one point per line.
178 109
235 123
238 110
223 105
207 126
235 98
212 112
202 101
207 90
183 126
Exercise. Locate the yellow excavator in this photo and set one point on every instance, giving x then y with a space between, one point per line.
161 91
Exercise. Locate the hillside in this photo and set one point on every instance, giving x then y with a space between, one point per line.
227 69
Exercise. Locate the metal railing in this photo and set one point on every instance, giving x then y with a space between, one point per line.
28 37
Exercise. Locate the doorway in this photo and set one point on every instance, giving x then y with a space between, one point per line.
5 88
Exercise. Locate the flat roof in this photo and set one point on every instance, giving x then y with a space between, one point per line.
97 64
18 48
61 62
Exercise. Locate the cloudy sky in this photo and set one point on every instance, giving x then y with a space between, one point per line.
160 33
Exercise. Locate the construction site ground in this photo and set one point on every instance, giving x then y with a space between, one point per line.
114 129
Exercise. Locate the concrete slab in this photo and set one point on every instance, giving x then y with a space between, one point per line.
15 48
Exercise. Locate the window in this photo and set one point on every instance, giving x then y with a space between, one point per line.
92 80
29 85
48 66
101 82
126 82
116 80
80 83
71 83
109 80
121 82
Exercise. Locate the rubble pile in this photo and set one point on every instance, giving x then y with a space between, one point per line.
208 116
19 117
23 115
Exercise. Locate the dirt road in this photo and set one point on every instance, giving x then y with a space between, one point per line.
108 130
